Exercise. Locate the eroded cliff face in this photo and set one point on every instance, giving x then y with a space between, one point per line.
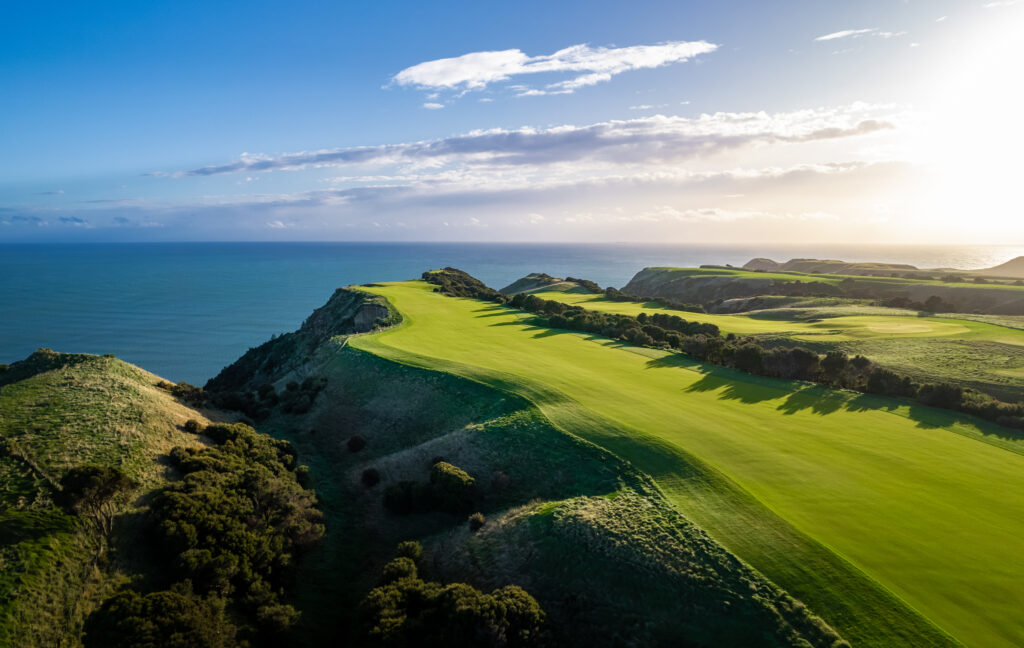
347 312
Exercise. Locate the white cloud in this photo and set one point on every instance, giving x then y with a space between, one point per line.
433 106
941 18
592 65
654 139
858 33
999 3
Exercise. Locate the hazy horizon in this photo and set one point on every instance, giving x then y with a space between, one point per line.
740 122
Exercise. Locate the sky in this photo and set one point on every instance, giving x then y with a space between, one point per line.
806 121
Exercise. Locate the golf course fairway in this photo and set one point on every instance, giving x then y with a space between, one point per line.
842 328
899 524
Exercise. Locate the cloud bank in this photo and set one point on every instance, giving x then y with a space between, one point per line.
655 139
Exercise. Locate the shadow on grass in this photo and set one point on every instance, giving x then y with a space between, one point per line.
820 400
732 389
19 526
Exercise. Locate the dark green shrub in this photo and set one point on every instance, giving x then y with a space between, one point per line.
370 477
397 569
941 395
356 443
477 521
410 549
451 489
93 490
172 618
192 426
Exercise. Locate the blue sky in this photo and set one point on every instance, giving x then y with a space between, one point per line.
560 121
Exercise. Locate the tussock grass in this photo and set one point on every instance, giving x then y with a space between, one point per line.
76 410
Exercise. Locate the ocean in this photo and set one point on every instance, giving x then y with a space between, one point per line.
185 310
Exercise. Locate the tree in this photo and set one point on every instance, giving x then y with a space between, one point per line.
94 490
174 618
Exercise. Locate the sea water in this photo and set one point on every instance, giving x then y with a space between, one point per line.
185 310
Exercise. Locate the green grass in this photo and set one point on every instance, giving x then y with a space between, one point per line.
789 276
987 356
53 568
852 503
836 328
634 569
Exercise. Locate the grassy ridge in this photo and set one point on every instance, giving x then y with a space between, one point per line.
879 483
550 499
61 411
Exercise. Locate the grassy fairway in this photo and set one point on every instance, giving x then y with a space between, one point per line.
983 355
833 329
825 492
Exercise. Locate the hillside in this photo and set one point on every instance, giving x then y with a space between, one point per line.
827 266
715 287
538 281
757 444
630 567
1012 268
57 412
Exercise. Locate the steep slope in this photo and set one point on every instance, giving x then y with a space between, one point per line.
548 497
846 499
57 412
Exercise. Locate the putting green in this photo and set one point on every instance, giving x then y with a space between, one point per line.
840 498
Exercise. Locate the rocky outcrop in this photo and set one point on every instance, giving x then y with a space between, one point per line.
347 312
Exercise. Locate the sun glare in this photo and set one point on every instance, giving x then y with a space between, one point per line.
974 137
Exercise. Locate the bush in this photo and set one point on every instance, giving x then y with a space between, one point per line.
356 443
370 477
175 617
192 426
397 569
410 549
407 611
451 489
941 395
886 383
477 521
93 490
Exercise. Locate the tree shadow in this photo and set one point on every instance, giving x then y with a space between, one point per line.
868 402
732 389
817 399
672 360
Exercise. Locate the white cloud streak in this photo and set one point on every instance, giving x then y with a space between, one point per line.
591 65
859 33
654 139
